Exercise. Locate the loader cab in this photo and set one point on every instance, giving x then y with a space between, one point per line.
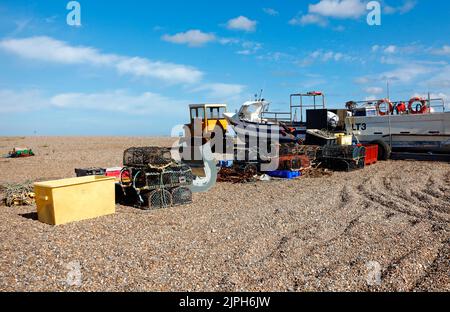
211 115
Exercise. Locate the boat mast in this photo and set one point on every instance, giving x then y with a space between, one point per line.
388 91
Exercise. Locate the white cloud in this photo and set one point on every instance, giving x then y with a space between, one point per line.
445 50
116 101
412 48
174 73
325 56
270 11
441 79
24 101
362 80
242 23
276 56
51 50
244 52
374 90
391 60
120 101
196 38
225 41
220 91
193 38
245 47
404 73
318 13
371 98
339 8
390 49
249 47
313 83
309 19
406 7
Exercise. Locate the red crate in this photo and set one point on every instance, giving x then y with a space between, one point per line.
116 172
371 154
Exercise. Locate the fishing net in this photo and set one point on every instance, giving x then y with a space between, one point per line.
19 194
235 174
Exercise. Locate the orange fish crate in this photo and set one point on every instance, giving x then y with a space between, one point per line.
371 154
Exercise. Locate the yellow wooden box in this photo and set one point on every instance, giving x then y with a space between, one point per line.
343 139
68 200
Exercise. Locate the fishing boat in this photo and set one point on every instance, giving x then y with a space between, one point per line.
249 121
415 126
291 124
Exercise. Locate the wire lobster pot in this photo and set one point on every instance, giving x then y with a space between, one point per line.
349 152
145 156
174 176
294 162
156 179
181 196
159 199
311 151
177 176
345 158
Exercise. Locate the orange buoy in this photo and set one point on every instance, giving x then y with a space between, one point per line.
388 110
420 108
401 108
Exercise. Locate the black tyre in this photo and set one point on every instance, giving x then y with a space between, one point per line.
384 150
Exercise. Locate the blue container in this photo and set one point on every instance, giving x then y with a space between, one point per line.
285 174
225 163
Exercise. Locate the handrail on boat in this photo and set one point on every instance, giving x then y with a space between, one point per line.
299 107
441 104
275 116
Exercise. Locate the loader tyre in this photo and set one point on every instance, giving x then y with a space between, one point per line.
384 150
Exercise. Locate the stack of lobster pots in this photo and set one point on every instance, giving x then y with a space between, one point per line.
294 156
156 180
292 159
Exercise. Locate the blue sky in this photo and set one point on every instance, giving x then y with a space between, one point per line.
133 67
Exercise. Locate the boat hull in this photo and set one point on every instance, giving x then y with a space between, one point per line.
404 133
266 130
